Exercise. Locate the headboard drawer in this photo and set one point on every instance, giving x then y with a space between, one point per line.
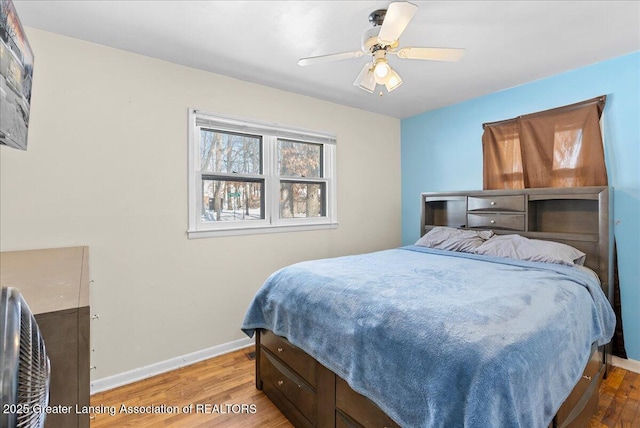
496 221
496 203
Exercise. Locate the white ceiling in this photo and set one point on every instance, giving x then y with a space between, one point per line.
508 43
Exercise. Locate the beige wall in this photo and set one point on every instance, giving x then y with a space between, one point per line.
106 166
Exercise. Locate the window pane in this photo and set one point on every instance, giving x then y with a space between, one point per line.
567 146
230 153
232 200
302 199
297 159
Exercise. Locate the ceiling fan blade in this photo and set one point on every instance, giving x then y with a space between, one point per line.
327 58
433 54
396 20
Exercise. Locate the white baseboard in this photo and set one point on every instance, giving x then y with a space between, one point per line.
623 363
160 367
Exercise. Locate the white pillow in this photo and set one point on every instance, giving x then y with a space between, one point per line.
536 250
452 239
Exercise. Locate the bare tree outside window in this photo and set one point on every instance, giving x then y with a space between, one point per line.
225 156
248 177
298 161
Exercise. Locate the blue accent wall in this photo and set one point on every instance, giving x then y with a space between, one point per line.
442 151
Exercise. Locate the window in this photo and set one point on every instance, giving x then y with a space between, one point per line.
253 177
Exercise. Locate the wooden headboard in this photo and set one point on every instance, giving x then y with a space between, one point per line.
577 216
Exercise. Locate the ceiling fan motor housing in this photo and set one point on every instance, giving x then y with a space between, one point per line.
370 41
377 17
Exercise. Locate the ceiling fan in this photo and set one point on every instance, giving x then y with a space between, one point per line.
382 39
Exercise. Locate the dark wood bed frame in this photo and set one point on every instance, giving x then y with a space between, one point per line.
310 395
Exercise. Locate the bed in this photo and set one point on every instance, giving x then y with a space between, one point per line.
426 336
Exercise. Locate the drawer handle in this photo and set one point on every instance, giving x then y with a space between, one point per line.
280 349
586 377
492 222
280 382
493 202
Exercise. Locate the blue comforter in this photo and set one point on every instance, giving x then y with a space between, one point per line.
442 339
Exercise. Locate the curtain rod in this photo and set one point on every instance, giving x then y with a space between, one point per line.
601 100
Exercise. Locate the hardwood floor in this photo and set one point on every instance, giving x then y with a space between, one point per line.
226 384
619 401
221 392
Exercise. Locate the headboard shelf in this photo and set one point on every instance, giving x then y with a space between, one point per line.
446 211
570 215
555 236
564 195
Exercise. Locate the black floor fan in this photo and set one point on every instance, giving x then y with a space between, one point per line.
24 365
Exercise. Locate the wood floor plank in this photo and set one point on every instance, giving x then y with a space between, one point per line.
218 384
630 394
619 401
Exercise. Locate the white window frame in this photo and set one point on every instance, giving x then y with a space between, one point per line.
270 133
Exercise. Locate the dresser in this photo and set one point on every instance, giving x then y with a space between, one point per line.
55 284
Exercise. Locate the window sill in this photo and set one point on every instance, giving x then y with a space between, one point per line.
257 230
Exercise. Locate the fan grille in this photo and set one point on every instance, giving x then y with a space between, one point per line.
25 366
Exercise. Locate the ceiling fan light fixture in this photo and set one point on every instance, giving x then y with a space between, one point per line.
381 69
392 81
366 79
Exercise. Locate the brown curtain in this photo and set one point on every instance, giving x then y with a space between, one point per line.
561 147
502 157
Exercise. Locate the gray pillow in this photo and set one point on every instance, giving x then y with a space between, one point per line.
452 239
536 250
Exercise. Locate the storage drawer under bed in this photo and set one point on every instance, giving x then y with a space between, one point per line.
288 386
579 397
296 359
354 410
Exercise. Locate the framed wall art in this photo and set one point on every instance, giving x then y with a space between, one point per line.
16 72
